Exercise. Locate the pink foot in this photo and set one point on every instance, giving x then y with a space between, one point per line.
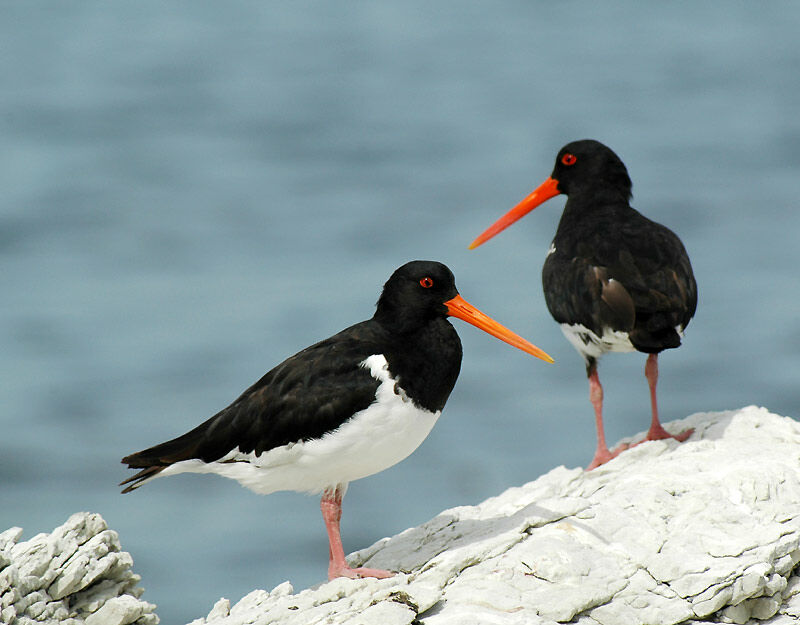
357 573
658 433
682 436
602 456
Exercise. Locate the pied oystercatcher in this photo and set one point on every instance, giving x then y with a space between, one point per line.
615 280
342 409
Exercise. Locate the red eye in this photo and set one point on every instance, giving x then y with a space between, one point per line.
426 282
569 159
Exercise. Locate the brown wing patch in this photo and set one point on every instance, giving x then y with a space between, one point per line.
617 310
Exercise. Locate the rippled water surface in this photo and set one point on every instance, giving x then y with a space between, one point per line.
192 191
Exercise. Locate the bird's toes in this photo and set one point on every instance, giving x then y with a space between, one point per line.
682 436
378 573
358 573
658 433
602 456
619 449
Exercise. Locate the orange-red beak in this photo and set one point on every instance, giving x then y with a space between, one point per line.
542 193
459 307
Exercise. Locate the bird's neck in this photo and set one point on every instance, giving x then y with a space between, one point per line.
598 194
399 320
586 206
426 362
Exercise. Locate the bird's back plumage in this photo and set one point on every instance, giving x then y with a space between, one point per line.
612 269
304 397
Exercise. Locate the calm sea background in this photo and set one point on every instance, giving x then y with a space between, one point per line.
192 191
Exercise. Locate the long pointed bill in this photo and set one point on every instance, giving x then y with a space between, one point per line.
542 193
459 307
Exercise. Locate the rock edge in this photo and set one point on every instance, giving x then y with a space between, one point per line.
76 575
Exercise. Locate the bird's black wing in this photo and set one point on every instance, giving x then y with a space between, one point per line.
580 291
307 395
654 267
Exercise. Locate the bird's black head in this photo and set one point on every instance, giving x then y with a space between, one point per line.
588 165
423 291
416 293
412 311
583 168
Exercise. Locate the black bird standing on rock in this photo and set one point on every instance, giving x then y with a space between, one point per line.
344 408
615 280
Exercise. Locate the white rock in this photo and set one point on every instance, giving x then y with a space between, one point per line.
707 531
9 537
703 532
75 575
386 612
8 614
117 611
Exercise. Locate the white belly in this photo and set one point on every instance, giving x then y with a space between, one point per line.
589 344
373 439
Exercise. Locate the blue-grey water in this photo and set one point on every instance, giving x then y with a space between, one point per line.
192 191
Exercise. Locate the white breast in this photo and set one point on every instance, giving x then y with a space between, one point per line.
373 439
589 344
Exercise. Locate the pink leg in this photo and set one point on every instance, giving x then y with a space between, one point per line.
331 506
602 454
657 431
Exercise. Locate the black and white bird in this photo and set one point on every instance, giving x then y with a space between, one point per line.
615 280
342 409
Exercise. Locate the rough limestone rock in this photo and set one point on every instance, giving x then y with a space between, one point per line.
707 531
77 575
